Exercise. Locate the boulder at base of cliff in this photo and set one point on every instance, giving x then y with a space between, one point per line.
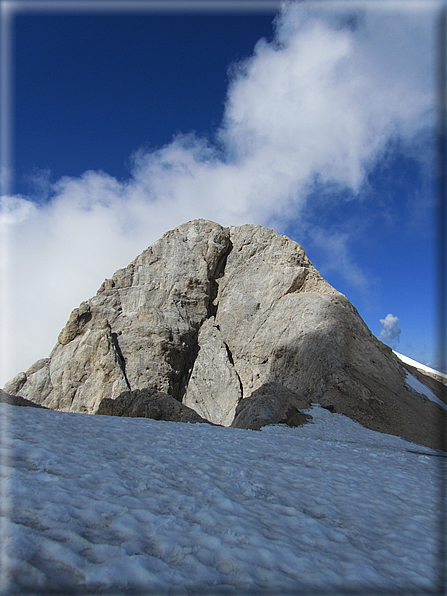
16 400
272 403
148 403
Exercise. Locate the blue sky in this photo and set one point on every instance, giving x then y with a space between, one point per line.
319 124
91 90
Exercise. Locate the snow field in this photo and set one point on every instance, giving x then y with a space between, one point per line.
96 503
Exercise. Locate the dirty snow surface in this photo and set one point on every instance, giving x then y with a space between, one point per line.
97 504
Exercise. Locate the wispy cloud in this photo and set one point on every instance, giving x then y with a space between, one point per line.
336 247
323 98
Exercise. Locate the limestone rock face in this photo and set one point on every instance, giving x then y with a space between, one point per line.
272 403
148 403
210 315
141 328
256 300
214 388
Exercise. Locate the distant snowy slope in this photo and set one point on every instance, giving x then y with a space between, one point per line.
420 366
100 504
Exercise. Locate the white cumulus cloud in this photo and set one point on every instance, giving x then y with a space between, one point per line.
321 99
390 331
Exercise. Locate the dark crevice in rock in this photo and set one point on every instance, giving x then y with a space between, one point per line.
214 286
230 355
84 319
231 359
119 358
298 283
193 345
192 353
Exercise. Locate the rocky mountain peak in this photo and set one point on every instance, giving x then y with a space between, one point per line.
211 316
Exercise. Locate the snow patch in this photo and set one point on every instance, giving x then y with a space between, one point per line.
420 389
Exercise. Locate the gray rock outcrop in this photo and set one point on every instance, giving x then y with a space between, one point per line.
16 400
139 331
209 315
214 388
148 403
272 403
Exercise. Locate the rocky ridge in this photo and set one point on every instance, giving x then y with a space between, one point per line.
211 316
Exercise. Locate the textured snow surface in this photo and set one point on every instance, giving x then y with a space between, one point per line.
97 504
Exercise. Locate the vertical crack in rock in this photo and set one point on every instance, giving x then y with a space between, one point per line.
230 358
119 358
214 388
194 348
214 286
193 351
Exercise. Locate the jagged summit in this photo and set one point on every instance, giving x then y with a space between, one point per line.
211 316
